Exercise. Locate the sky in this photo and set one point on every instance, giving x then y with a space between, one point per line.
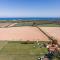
29 8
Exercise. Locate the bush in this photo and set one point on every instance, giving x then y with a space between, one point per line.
27 42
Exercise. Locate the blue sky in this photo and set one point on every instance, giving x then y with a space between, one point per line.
29 8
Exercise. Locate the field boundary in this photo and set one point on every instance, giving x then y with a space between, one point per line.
50 37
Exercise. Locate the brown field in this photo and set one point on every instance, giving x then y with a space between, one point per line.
23 33
5 24
2 25
52 31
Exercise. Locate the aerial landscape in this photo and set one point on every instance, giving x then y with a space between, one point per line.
25 32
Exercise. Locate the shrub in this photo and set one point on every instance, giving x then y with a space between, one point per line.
27 42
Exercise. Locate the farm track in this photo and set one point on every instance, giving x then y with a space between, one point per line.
12 24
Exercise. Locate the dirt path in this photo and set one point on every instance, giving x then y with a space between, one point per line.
12 25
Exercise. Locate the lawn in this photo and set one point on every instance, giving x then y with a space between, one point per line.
19 51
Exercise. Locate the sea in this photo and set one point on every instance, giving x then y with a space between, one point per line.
30 18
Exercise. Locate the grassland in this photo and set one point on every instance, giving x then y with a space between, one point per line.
20 51
49 25
40 25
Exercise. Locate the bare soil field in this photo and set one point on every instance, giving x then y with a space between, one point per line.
2 25
23 33
52 31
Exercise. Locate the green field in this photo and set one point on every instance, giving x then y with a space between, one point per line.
40 25
49 25
23 24
20 51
